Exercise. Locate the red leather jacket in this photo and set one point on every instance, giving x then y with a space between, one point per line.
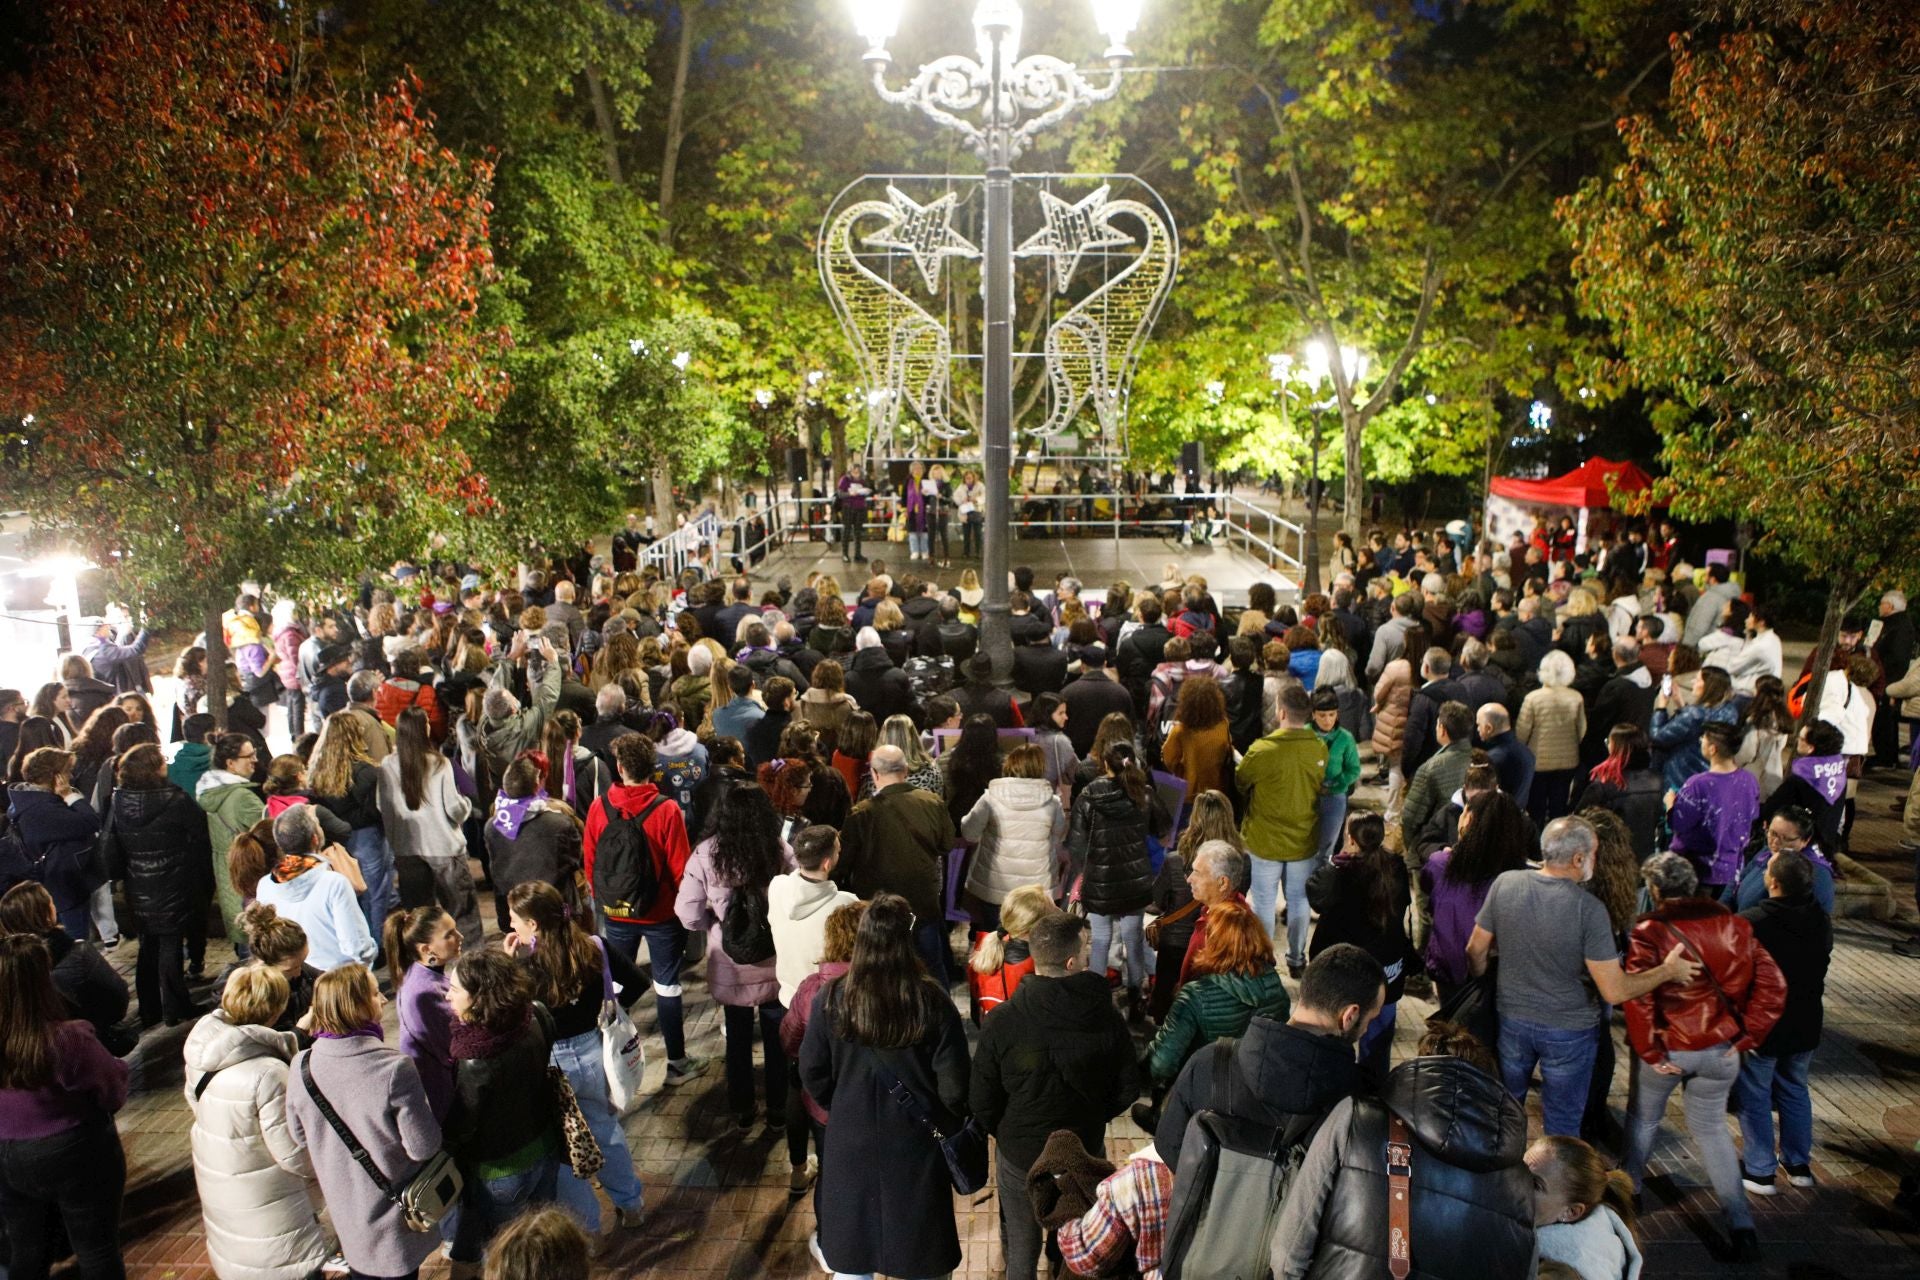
1696 1016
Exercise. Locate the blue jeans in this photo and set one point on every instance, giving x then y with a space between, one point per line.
368 845
1766 1083
666 947
1333 825
579 1057
930 943
1707 1076
1132 937
1566 1066
489 1204
1268 877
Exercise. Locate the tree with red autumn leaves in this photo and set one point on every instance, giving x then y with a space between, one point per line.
238 330
1755 256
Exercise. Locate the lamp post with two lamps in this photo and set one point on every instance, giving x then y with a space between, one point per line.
1015 98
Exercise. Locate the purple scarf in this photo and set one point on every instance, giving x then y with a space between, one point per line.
509 814
1825 774
471 1040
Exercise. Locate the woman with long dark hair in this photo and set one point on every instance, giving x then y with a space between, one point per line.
724 891
570 975
1362 897
1494 837
59 1089
422 811
93 747
971 765
51 701
885 1202
574 774
1110 866
35 732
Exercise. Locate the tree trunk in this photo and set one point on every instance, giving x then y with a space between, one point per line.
676 119
663 496
603 123
1840 598
1354 428
837 433
217 694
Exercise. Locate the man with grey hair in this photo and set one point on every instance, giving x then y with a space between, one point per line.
507 728
897 841
310 886
1437 688
1511 759
566 613
1219 872
361 689
609 725
1390 641
1555 939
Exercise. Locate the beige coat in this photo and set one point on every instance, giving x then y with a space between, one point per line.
1907 687
1552 722
1392 695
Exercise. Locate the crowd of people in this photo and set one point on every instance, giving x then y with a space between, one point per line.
495 793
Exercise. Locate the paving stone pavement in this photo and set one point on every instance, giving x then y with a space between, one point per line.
717 1201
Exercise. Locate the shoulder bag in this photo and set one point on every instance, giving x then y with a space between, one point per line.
583 1149
965 1152
428 1196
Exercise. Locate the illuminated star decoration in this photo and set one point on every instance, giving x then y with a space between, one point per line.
925 231
1071 230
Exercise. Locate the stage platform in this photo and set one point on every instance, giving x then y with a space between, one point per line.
1096 561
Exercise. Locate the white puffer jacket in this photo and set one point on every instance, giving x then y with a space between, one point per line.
1018 824
253 1177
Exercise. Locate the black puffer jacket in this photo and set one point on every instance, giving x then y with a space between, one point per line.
1277 1072
157 842
1108 844
1057 1055
1471 1199
89 985
878 686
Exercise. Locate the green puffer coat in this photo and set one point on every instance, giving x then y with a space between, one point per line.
1219 1005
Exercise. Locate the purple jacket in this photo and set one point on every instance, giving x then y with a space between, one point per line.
852 503
1454 908
426 1033
1711 819
87 1082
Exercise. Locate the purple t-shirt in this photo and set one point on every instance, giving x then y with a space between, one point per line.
1454 908
1712 819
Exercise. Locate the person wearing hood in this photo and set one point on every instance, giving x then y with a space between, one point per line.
157 843
1056 1056
1583 1211
252 1177
1278 1071
507 728
1469 1206
1797 932
304 887
681 761
1018 828
636 799
800 903
328 691
59 832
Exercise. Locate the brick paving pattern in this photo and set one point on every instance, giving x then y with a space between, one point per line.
717 1203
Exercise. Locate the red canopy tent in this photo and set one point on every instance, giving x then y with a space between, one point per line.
1512 503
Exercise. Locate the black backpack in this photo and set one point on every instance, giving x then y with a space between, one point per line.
746 930
625 877
1233 1179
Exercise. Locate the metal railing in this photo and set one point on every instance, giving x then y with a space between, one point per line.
710 543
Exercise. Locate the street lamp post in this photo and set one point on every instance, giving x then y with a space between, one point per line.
1315 369
1015 98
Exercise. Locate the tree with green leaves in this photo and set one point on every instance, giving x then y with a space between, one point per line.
1755 257
241 345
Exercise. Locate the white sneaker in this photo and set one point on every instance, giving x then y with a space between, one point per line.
819 1258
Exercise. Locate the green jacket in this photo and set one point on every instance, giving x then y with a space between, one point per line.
230 809
1343 761
1207 1009
1432 787
1281 776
